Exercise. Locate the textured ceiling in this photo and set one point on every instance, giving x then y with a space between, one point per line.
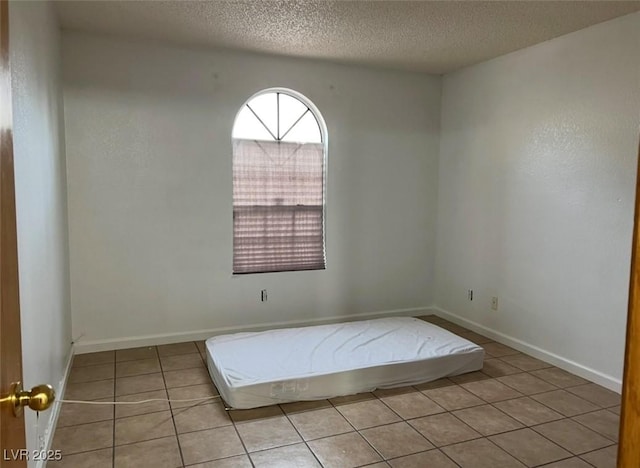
433 37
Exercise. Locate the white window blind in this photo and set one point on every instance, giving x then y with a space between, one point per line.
278 196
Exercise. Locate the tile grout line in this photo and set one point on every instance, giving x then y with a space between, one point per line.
591 429
173 420
235 428
532 427
527 394
592 451
406 421
524 464
571 394
475 405
354 428
481 436
530 396
113 440
434 449
562 460
304 441
555 411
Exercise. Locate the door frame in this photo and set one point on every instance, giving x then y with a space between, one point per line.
629 447
12 429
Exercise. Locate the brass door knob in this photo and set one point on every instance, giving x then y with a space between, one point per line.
39 398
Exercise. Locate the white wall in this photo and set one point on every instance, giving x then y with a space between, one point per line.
40 177
536 190
150 204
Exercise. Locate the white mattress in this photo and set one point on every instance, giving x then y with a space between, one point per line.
325 361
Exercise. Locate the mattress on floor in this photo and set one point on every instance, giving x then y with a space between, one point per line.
325 361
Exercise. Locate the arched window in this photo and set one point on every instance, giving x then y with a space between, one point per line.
279 160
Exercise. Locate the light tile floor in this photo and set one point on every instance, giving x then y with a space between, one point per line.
518 411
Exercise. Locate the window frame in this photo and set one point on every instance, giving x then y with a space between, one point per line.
324 137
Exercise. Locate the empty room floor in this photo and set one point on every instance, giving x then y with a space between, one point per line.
518 411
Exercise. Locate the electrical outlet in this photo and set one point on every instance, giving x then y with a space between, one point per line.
470 294
494 303
263 295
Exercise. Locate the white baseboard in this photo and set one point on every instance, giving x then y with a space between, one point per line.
581 370
82 347
49 431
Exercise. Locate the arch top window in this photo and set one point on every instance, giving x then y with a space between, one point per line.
277 116
279 161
